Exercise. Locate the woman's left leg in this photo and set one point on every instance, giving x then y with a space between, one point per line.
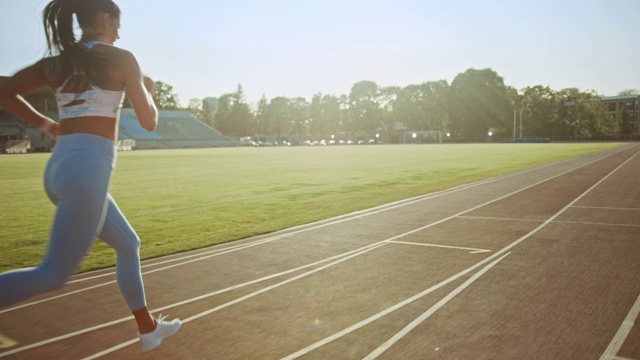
118 233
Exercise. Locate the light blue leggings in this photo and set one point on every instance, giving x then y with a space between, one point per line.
77 180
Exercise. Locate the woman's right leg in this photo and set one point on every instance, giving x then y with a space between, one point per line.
77 183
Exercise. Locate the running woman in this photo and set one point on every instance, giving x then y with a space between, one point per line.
89 77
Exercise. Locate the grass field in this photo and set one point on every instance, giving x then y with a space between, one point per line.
184 199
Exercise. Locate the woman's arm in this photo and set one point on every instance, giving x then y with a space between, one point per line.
26 81
139 90
150 85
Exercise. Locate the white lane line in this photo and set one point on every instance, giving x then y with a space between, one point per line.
443 283
606 208
623 332
498 218
595 223
184 302
240 299
471 250
329 222
6 342
539 221
424 316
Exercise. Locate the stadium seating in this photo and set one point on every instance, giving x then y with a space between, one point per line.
172 125
180 125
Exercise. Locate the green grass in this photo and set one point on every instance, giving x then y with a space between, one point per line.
179 200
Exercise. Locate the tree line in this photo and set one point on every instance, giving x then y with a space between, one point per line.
476 103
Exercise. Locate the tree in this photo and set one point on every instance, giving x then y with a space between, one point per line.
240 116
478 103
233 116
317 120
629 92
164 97
364 109
324 114
387 100
299 116
408 107
261 123
424 106
209 109
432 103
222 118
584 115
539 108
346 122
196 110
278 116
597 121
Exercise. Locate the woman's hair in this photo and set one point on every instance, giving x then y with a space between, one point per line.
61 40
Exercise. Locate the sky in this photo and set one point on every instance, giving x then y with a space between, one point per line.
297 48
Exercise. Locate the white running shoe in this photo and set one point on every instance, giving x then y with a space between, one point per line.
164 329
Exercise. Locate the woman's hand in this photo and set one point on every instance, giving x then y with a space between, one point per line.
27 81
51 127
55 131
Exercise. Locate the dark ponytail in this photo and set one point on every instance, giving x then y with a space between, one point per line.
58 26
61 40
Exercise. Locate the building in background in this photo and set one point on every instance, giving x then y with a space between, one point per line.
625 110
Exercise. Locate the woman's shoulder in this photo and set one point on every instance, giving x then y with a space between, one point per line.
120 55
48 63
49 68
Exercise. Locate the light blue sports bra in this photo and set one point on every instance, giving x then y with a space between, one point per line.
92 102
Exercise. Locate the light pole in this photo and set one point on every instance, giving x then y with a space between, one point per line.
520 123
514 124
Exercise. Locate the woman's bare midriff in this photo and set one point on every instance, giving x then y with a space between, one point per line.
96 125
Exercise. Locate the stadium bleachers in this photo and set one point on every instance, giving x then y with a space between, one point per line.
180 125
171 125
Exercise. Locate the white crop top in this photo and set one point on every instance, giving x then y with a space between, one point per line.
91 102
